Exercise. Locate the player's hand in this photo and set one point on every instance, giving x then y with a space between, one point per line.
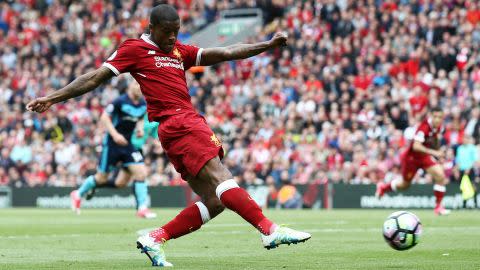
39 105
119 139
139 133
279 39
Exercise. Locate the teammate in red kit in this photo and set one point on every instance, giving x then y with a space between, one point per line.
158 62
422 154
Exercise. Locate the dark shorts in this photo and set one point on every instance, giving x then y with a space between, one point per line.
189 142
411 163
113 156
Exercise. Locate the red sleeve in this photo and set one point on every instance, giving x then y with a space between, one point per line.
192 56
123 59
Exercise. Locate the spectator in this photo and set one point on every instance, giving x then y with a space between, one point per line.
467 157
350 82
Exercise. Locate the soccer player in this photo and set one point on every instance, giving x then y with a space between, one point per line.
121 119
158 62
422 153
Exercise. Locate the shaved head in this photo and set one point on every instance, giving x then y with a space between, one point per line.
163 13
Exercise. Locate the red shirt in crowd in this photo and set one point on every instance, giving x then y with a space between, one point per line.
418 103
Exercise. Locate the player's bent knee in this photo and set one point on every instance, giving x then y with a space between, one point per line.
215 172
140 176
101 178
441 180
403 185
121 184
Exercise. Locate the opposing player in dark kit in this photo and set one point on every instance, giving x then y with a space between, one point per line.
121 119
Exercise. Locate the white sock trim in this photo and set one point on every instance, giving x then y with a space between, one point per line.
203 212
224 186
439 188
395 183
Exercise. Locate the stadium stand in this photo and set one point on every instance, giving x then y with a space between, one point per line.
335 105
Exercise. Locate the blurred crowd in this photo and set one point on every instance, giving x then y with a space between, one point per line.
337 104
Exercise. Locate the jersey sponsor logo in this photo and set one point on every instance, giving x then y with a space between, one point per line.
215 140
137 156
165 61
130 118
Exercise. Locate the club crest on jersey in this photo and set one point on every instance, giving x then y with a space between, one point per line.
177 54
215 140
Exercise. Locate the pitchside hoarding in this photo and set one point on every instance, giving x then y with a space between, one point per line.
326 196
417 196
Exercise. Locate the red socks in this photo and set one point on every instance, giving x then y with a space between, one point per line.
192 217
439 192
238 200
187 221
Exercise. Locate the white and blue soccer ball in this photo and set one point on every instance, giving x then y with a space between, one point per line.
402 230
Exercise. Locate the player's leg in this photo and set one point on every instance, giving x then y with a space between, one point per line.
188 220
439 188
408 170
137 173
90 183
238 200
193 217
108 159
215 185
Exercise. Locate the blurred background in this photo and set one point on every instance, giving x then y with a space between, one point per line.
336 105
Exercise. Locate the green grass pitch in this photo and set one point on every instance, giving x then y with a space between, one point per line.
342 239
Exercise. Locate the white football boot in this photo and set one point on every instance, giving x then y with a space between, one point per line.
284 235
153 250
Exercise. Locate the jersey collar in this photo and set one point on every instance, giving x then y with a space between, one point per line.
147 39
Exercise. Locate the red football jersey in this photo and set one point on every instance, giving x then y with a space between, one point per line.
426 135
161 75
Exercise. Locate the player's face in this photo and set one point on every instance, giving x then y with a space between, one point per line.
437 119
165 34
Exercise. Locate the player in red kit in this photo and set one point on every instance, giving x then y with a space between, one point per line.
422 154
158 62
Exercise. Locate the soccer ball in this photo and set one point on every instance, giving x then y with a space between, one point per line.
402 230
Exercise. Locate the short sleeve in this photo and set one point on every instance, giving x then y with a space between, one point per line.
113 107
420 134
192 57
123 59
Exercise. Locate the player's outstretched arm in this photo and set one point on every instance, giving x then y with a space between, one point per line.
81 85
212 56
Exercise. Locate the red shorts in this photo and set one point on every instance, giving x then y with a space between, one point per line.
411 163
189 142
